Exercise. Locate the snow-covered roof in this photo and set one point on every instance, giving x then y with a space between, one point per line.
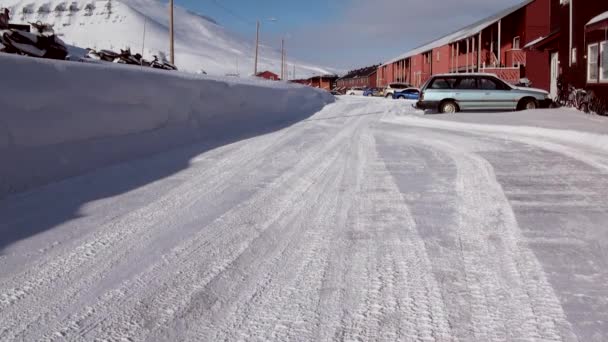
532 43
462 33
597 19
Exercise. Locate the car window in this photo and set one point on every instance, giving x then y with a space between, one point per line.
488 84
467 83
442 83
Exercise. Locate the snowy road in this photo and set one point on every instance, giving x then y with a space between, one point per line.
366 222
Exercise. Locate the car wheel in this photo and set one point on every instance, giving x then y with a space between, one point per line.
448 107
388 95
528 104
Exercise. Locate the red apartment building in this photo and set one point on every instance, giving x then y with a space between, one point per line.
577 46
491 45
364 77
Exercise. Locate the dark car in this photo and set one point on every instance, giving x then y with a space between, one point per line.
407 94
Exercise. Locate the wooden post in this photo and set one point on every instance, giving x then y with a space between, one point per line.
171 34
282 59
257 44
467 58
457 56
479 53
499 42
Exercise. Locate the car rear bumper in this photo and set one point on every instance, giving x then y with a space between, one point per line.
427 104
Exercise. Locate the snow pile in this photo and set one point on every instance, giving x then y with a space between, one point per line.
61 119
143 25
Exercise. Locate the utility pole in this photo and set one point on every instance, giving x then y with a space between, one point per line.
257 44
143 43
283 59
171 34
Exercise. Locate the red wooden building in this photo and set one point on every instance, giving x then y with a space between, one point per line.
268 75
491 45
364 77
577 46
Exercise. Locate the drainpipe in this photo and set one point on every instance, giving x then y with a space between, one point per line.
570 36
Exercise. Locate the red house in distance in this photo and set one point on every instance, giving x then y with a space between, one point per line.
268 75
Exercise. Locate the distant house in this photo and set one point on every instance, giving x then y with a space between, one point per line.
268 75
364 77
327 82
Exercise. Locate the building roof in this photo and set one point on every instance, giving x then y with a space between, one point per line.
265 72
363 72
540 42
463 33
597 19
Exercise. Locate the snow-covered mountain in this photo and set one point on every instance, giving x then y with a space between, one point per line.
201 43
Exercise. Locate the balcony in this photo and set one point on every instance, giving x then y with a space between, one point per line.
511 75
514 58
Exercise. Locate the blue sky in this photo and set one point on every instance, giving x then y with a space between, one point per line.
346 33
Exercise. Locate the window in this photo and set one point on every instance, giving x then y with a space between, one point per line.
467 83
592 65
573 55
488 84
437 56
604 61
516 43
442 83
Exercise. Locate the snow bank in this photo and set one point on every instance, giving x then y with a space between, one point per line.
61 119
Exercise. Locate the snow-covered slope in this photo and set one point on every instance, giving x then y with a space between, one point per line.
114 24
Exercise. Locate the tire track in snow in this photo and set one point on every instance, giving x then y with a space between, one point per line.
509 294
268 195
401 300
102 251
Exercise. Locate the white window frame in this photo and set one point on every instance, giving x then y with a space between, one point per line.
589 79
602 68
518 43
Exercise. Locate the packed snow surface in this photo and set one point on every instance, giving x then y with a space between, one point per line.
364 222
142 25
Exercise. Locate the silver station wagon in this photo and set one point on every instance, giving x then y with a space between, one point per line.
451 93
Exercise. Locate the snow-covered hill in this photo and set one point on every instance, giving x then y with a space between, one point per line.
114 24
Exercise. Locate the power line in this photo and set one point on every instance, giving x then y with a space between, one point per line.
232 13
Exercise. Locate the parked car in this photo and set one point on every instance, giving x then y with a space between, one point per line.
450 93
396 86
335 93
373 92
407 94
356 91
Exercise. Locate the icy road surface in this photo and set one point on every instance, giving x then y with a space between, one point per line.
366 222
